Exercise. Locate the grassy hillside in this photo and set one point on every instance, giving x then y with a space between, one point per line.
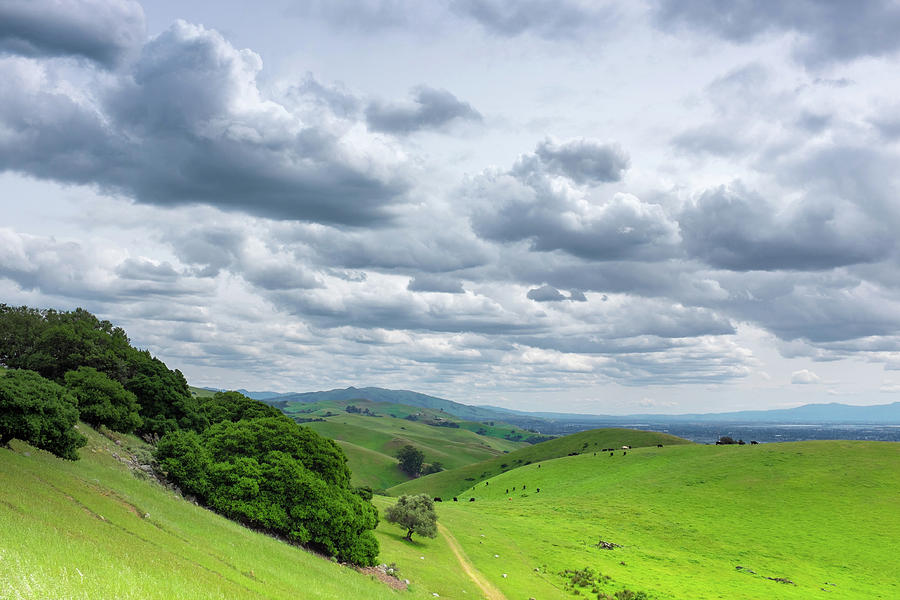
90 529
371 442
822 516
452 482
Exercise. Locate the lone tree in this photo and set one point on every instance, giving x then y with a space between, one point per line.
416 514
411 460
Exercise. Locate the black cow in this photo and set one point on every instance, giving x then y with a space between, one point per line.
539 490
659 445
610 453
438 499
753 442
471 499
455 499
624 452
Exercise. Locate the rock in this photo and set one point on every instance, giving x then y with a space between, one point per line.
146 515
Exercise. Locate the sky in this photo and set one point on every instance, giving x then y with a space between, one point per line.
661 206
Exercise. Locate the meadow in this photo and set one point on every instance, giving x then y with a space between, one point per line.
794 520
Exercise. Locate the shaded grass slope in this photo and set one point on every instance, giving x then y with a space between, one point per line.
90 529
453 482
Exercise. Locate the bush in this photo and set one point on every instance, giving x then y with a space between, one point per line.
40 412
102 401
272 474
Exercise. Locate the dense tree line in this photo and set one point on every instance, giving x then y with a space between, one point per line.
241 457
53 343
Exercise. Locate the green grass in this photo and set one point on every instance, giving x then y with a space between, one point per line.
371 444
452 482
78 530
822 514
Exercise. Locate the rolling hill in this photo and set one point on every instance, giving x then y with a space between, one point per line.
371 437
452 482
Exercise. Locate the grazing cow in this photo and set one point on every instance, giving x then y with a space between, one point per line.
539 490
624 452
507 490
514 489
659 445
438 499
471 499
523 487
610 453
753 442
626 447
539 466
455 499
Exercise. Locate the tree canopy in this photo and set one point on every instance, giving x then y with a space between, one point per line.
53 343
40 412
411 460
414 513
103 401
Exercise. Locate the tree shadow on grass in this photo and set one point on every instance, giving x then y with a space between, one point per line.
401 537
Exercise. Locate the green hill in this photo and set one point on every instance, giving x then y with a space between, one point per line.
452 482
90 529
783 521
371 439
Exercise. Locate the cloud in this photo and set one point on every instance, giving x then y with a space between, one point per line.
545 293
103 31
804 377
547 198
549 19
431 109
435 283
734 228
189 125
583 161
827 32
558 217
548 293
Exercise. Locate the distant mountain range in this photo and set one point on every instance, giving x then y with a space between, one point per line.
881 414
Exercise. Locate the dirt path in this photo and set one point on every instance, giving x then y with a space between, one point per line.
488 588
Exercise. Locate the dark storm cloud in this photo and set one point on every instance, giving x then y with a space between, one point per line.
103 31
828 31
531 203
209 250
582 161
189 125
549 19
545 293
735 228
139 269
435 283
431 109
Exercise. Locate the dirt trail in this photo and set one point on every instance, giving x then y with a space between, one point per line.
488 588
